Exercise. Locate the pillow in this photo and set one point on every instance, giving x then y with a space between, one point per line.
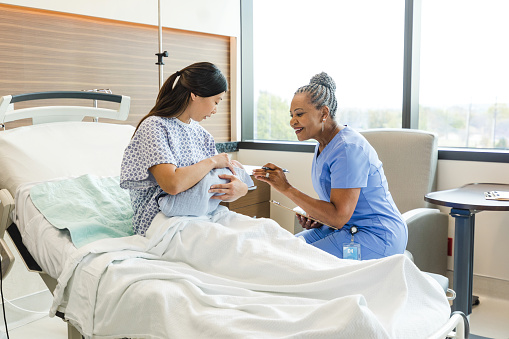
65 149
196 200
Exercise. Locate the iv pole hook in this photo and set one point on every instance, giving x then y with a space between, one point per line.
161 54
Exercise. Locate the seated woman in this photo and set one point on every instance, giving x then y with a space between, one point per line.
354 198
170 152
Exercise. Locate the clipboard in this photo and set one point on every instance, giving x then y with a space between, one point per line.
300 213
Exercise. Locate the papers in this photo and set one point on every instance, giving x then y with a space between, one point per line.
249 168
497 195
299 211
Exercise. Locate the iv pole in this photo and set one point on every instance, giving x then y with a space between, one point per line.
161 54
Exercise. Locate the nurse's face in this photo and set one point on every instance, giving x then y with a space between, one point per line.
306 119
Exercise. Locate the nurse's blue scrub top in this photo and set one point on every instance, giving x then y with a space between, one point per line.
349 161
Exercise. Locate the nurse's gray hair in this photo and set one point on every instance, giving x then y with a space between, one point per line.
322 92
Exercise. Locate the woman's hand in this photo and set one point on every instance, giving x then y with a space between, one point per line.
237 164
232 190
307 223
274 177
222 161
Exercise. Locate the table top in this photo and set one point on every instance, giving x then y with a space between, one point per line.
470 197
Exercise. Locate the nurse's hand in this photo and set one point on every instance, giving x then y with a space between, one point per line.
274 176
307 223
233 190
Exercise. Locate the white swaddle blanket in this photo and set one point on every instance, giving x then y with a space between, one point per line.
231 276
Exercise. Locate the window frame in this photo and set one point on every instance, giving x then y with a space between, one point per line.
410 95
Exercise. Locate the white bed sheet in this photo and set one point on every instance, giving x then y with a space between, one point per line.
48 245
232 276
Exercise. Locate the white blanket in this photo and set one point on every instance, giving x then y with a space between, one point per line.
232 276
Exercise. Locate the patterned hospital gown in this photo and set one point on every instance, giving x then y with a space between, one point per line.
159 140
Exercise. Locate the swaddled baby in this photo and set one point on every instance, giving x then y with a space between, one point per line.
196 200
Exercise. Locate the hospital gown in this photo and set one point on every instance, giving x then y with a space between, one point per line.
349 161
159 140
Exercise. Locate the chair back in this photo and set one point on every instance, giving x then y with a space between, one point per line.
409 160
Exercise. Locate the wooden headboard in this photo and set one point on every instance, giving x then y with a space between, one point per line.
51 51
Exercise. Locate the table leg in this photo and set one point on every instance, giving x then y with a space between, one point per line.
463 259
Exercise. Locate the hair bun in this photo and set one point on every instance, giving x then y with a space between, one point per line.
325 80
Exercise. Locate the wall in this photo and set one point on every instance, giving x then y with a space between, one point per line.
491 252
61 51
216 17
220 18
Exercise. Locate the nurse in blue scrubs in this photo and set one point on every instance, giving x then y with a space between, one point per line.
354 199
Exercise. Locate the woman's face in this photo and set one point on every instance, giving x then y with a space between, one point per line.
306 119
202 108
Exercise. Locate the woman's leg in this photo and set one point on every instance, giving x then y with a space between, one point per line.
331 241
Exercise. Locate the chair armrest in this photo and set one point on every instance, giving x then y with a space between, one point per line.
6 206
427 238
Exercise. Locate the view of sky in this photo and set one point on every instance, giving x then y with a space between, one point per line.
464 51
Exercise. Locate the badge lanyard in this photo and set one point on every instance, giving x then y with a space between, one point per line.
352 250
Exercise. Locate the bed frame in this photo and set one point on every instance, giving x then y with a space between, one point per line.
456 327
40 115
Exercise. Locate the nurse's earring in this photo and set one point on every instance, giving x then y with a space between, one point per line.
323 123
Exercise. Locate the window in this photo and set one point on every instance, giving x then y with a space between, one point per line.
358 43
464 77
437 65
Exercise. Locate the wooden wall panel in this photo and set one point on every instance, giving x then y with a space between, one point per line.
45 51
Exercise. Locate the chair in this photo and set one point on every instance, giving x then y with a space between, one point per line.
409 160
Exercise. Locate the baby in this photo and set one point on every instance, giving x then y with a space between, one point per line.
196 200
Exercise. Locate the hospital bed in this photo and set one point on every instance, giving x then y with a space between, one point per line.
95 285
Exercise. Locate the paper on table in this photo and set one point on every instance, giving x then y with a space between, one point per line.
497 195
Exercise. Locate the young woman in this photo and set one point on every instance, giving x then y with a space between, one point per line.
348 178
170 152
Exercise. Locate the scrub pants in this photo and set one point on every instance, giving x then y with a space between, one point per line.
331 241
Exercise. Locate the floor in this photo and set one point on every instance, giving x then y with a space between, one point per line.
489 319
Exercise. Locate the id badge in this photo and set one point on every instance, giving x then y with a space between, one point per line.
352 251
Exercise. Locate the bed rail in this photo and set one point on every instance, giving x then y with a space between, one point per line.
6 256
457 327
6 206
7 259
66 95
45 114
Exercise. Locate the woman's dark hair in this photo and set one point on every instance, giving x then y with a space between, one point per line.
203 79
321 89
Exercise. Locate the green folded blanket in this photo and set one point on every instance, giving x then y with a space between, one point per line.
90 207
